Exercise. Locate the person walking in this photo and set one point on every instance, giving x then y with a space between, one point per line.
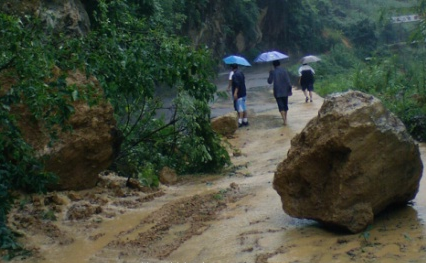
306 80
231 73
282 88
230 79
239 93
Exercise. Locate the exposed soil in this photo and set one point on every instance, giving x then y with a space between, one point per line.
233 217
55 219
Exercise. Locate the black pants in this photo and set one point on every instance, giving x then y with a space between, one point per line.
282 103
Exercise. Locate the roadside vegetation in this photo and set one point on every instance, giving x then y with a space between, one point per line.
132 56
392 69
138 48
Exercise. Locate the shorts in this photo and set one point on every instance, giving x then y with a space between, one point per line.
241 104
282 103
309 87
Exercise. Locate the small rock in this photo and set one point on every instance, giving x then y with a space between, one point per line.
168 176
74 196
225 125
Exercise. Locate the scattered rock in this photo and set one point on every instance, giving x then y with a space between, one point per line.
114 185
225 125
37 200
234 186
53 198
96 237
134 184
119 192
74 196
168 176
349 163
81 211
237 153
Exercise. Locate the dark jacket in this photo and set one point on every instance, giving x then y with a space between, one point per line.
282 86
307 78
238 81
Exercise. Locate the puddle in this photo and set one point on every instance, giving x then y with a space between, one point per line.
235 219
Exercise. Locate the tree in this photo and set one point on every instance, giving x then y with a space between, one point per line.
132 59
28 55
133 62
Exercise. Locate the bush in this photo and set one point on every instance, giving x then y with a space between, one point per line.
26 66
131 59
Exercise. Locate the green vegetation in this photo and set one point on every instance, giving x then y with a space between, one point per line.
141 62
26 62
392 69
399 81
132 59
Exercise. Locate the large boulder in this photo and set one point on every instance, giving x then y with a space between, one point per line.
78 155
348 164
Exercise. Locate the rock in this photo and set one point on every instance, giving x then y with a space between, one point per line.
225 125
237 153
81 211
134 184
53 198
168 176
212 33
234 186
74 196
114 185
78 155
349 163
69 17
37 200
66 16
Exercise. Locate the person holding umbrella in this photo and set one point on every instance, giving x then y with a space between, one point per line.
306 76
239 95
234 60
282 88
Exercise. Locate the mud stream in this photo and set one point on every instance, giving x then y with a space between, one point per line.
231 218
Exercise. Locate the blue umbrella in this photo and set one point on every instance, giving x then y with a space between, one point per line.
270 56
236 60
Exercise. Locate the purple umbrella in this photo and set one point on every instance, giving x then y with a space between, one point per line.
270 56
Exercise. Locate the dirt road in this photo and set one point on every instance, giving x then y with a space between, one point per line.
231 218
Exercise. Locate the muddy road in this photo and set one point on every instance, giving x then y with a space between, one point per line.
234 217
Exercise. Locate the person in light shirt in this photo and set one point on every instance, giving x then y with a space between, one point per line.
230 86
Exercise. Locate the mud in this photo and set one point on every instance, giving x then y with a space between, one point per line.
231 217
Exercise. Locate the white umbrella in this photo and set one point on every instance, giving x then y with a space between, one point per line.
270 56
309 59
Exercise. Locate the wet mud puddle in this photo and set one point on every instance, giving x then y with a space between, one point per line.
235 217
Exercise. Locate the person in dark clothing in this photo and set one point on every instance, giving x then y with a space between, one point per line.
282 88
239 93
306 80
